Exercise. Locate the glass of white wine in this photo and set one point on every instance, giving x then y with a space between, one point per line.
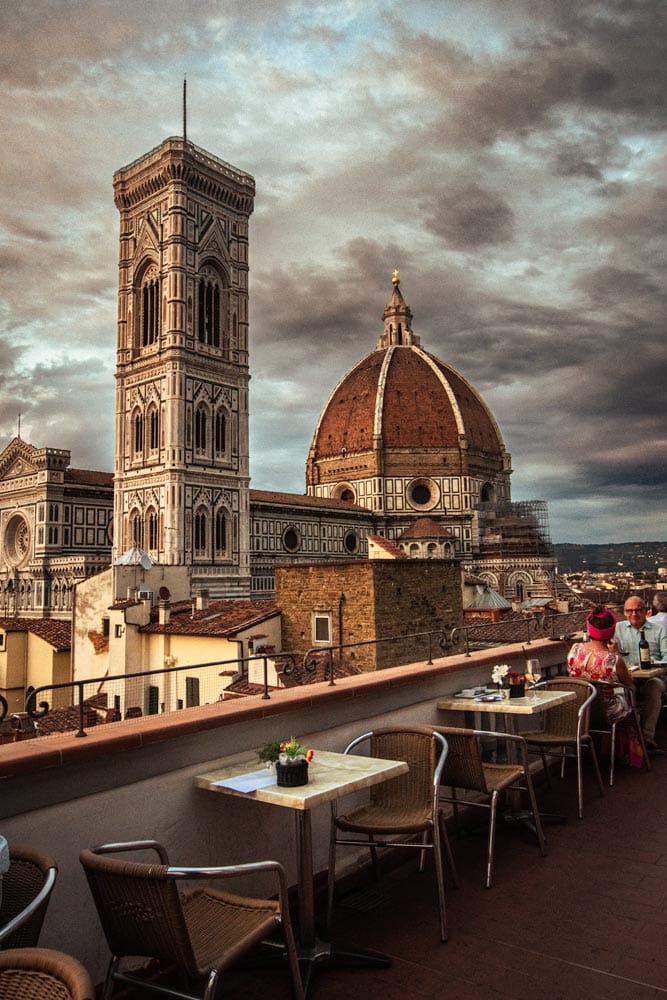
534 670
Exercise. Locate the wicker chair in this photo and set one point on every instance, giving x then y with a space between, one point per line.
405 806
201 932
26 890
601 723
42 974
465 769
566 731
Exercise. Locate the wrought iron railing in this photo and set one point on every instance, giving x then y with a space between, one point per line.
442 641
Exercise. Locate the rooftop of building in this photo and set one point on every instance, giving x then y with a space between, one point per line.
57 633
224 618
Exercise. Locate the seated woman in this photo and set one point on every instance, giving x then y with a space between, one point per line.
594 661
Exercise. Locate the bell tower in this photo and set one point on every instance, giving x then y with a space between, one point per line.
181 463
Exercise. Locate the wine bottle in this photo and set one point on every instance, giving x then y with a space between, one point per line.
644 652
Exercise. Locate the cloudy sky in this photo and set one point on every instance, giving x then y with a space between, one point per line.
508 156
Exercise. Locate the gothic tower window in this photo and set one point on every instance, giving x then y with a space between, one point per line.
209 311
153 429
151 526
200 539
201 427
220 533
137 529
150 307
138 432
220 432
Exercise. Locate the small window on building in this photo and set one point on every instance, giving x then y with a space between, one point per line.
105 627
321 629
191 692
118 631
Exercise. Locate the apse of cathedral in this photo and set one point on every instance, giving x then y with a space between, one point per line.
405 448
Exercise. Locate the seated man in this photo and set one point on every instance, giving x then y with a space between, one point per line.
659 616
626 640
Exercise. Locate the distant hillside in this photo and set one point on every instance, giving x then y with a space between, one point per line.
624 556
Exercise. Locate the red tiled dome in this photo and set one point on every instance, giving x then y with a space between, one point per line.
402 397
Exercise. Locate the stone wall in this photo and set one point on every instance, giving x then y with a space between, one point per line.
370 601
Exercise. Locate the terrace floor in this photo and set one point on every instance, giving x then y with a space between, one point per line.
588 921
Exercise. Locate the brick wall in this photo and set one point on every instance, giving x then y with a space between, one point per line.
368 601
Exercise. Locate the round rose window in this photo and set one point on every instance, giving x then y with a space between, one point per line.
17 540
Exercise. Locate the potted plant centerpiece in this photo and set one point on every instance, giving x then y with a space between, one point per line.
291 759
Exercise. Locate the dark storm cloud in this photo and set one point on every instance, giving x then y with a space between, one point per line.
505 155
470 217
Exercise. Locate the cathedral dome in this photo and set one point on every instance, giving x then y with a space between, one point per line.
403 412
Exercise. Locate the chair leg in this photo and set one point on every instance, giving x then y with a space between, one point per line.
108 983
290 946
444 839
612 752
536 815
437 850
580 780
492 840
211 985
596 765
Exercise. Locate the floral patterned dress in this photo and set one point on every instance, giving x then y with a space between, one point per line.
592 664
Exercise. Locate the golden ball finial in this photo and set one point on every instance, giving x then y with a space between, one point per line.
395 278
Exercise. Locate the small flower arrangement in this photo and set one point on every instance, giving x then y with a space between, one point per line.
499 674
289 751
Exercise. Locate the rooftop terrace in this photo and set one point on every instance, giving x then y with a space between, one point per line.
587 920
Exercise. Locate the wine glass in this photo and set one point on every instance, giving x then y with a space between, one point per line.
534 670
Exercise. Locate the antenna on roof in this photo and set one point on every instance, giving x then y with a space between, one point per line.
185 108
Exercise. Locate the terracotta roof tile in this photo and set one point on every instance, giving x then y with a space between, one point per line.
57 633
221 618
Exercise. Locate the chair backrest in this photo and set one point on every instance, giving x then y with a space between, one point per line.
463 766
26 890
139 907
43 974
571 715
423 751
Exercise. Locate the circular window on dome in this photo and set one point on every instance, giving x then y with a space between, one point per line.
351 542
17 540
344 492
291 539
423 494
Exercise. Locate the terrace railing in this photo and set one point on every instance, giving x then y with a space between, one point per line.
285 663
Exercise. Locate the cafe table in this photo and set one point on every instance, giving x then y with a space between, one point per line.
331 776
657 670
533 702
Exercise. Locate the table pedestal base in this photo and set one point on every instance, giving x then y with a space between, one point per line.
324 951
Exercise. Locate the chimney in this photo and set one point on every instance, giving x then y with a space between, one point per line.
164 613
201 601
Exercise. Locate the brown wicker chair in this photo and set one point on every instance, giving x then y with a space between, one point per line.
566 731
601 723
404 806
42 974
201 932
465 769
26 890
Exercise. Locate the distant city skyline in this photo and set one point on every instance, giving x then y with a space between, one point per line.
507 156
